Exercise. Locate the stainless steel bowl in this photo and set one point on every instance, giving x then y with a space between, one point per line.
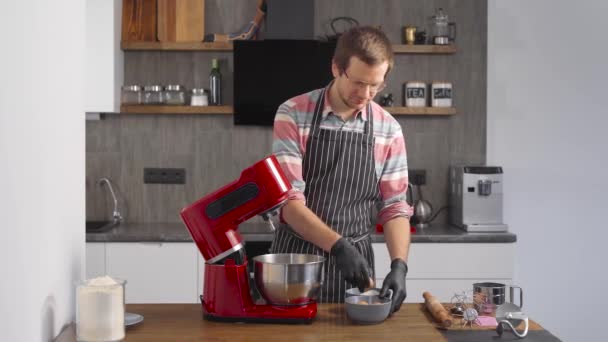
288 279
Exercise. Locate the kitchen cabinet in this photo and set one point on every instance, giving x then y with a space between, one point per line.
173 272
103 57
156 272
95 259
448 268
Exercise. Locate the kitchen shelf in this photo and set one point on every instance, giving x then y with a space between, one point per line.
201 46
175 46
424 49
421 110
227 110
160 109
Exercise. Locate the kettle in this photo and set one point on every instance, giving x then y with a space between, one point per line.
423 211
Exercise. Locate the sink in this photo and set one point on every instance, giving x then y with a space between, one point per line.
100 226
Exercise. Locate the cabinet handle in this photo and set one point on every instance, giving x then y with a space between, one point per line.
159 244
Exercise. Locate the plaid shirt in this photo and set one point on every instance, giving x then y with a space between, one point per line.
291 129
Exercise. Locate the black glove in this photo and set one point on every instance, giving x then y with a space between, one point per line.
353 265
395 280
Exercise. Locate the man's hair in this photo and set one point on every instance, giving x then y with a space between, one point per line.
367 43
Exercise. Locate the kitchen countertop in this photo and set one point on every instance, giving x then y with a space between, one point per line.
184 322
177 232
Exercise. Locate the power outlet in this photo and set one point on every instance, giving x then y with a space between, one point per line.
417 177
164 176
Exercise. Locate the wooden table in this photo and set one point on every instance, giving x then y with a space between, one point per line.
184 322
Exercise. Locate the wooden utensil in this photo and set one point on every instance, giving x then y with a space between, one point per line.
440 314
138 20
181 20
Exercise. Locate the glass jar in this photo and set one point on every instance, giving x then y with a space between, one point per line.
175 94
100 309
153 94
199 97
130 95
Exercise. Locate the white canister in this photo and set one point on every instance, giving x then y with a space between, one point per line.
414 93
100 309
441 94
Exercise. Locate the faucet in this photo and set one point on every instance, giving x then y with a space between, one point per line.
116 216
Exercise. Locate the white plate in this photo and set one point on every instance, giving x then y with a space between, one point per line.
132 318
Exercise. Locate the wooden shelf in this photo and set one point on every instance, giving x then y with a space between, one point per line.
421 110
200 46
227 110
424 49
160 109
174 46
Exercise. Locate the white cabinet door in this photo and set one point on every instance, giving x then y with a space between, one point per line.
95 259
444 269
104 58
155 272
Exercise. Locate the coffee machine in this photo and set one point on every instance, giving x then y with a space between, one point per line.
213 223
476 198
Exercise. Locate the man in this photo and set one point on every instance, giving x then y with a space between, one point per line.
344 155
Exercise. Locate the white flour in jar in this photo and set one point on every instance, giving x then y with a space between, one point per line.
100 311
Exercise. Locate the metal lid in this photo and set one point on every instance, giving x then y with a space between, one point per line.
411 82
153 88
131 87
198 91
174 87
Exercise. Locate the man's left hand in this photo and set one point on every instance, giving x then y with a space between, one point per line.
395 280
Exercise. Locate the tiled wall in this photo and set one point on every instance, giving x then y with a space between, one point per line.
214 151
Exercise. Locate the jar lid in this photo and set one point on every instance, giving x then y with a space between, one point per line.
198 91
153 88
442 83
412 82
131 87
174 87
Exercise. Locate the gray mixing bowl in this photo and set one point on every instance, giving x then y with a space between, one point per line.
367 309
288 279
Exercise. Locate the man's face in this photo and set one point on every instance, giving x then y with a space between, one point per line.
359 84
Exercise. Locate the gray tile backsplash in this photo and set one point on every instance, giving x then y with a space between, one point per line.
213 151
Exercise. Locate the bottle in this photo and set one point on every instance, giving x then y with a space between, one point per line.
215 84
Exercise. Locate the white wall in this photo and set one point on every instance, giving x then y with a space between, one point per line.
42 166
548 127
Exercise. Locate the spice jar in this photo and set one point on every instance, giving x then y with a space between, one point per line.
153 94
441 94
130 95
175 95
199 97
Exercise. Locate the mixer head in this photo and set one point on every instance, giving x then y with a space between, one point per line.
213 220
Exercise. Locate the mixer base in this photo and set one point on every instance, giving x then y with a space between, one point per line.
215 318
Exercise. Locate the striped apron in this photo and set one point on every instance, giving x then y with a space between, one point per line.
341 189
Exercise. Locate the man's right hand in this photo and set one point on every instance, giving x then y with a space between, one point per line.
353 265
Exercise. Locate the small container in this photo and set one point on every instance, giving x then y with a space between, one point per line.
199 97
414 93
175 94
130 95
441 94
100 309
153 95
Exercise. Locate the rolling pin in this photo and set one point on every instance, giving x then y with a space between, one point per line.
440 314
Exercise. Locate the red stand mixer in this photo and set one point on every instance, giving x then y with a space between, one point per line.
213 221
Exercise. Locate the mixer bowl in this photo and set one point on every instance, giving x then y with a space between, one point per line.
288 279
